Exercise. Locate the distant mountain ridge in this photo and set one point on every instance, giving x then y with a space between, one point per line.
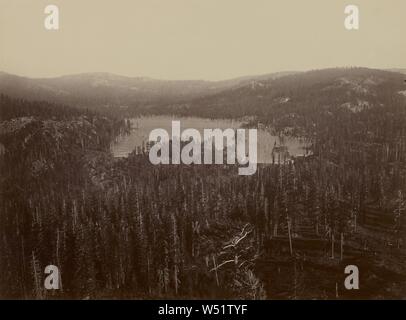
106 89
354 89
290 96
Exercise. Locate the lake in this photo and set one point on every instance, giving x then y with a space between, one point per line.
271 148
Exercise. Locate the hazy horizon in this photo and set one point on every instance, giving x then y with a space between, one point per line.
393 69
198 40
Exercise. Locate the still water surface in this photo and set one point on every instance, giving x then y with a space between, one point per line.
142 127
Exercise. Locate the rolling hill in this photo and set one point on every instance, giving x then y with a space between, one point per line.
106 89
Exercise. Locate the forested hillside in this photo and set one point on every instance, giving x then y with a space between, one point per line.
125 228
100 90
300 100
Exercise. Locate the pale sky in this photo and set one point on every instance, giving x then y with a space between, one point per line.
198 39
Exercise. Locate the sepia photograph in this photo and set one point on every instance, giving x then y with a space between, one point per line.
180 150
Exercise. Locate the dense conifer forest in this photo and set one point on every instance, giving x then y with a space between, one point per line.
124 228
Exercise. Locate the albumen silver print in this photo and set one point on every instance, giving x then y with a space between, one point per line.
202 150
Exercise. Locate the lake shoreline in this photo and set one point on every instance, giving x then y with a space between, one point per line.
271 148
